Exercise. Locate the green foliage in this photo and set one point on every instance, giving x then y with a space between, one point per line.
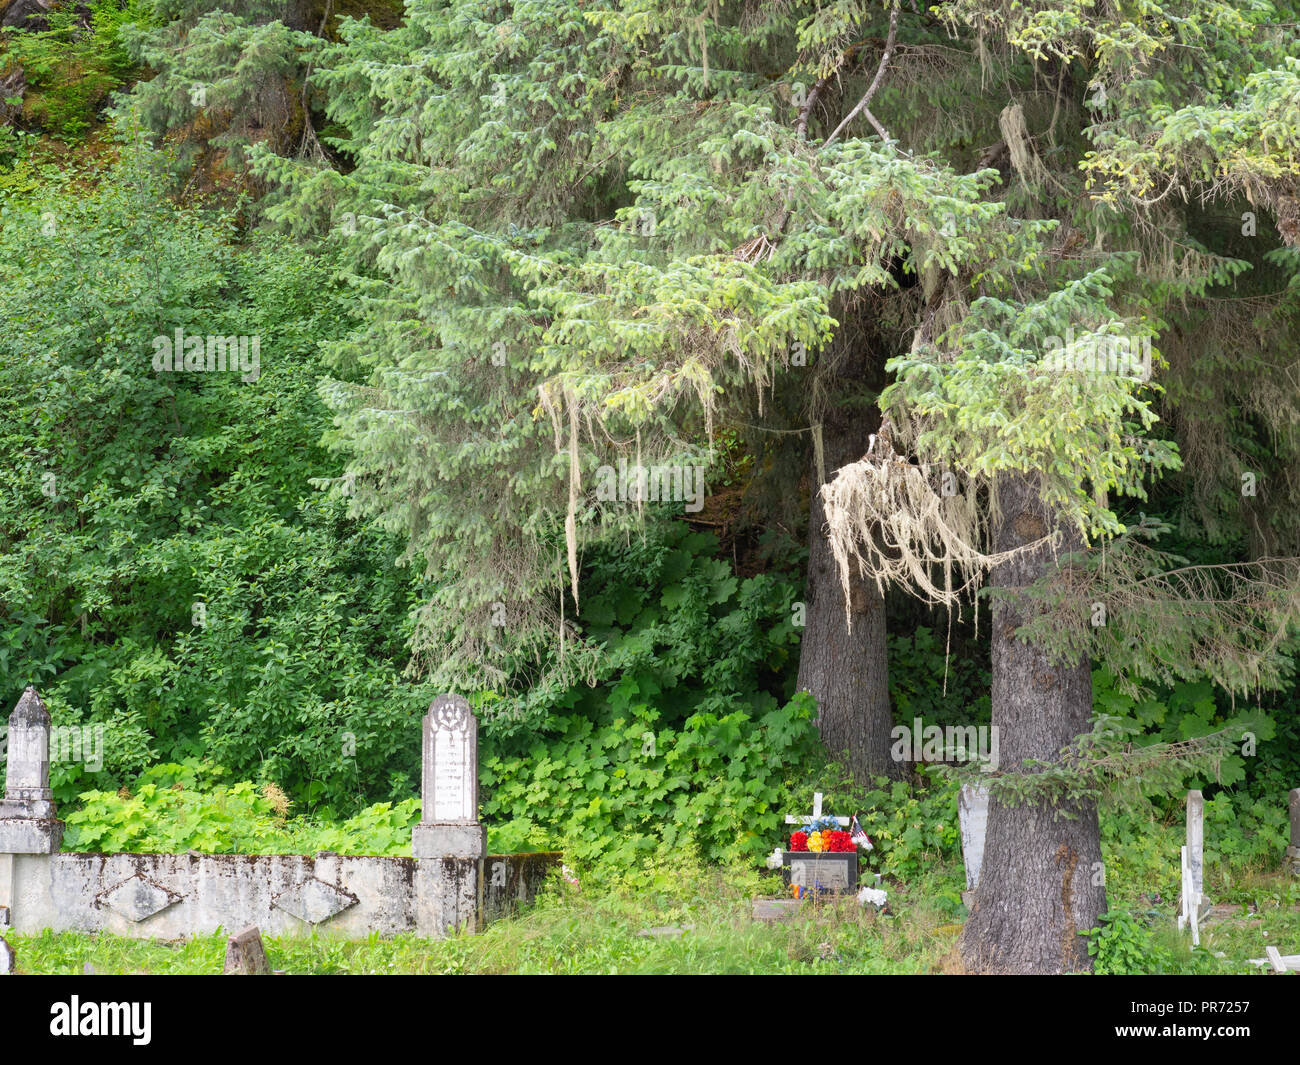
1123 944
682 734
169 571
928 682
1187 711
911 829
175 808
73 66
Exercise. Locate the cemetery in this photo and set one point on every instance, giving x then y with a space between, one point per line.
449 886
450 883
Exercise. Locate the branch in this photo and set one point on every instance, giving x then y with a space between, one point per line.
801 127
875 84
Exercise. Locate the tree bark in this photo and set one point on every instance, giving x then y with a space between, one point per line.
847 671
1041 882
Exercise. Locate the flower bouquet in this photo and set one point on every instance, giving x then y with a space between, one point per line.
823 857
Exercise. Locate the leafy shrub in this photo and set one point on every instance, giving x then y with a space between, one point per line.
179 807
687 735
169 570
1123 944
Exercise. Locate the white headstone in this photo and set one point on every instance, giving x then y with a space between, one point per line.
1196 840
973 817
449 826
1193 866
1293 851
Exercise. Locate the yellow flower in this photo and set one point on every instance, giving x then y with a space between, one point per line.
818 841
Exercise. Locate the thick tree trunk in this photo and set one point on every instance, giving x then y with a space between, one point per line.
1041 883
846 671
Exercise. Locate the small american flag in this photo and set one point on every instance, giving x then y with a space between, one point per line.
859 837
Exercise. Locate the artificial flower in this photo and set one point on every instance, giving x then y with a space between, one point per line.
839 842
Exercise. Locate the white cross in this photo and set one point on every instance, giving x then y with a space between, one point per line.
791 819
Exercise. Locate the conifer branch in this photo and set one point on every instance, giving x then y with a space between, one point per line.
861 107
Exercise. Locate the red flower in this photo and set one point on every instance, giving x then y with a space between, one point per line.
840 841
798 841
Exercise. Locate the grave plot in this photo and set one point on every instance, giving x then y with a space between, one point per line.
450 882
822 860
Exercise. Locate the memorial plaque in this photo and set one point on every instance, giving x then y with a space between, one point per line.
834 871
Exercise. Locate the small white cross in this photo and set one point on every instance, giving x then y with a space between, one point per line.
791 819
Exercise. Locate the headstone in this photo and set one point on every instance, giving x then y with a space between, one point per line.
973 817
666 931
822 870
1196 841
449 825
7 959
28 824
245 954
1193 867
1279 962
817 871
1293 851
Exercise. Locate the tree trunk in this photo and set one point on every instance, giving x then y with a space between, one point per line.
846 671
1041 882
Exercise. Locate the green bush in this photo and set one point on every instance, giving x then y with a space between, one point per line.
178 807
169 570
1123 944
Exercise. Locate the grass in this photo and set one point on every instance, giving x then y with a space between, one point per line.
597 931
572 932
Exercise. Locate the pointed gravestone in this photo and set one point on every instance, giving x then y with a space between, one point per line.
28 824
449 826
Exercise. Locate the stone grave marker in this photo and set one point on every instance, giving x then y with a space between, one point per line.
245 954
775 909
1293 851
973 817
28 824
1193 866
449 825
